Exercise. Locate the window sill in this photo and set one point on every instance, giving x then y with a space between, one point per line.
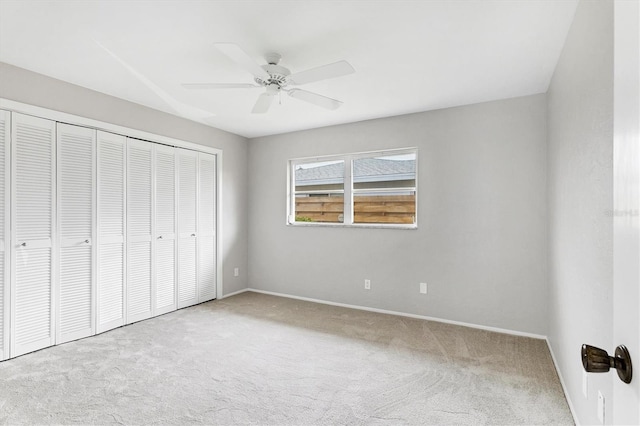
354 225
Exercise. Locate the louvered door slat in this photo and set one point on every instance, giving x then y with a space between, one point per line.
139 188
187 179
111 231
76 146
33 183
4 352
138 293
207 194
165 276
187 222
75 293
165 190
5 134
139 215
165 229
207 274
187 284
110 286
206 268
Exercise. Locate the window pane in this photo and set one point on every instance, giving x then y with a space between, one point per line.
384 189
319 192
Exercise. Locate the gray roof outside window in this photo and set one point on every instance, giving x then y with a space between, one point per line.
365 170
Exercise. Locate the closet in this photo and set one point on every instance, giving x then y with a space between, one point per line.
98 230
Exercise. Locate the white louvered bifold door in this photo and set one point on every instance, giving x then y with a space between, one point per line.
139 218
187 222
76 286
165 229
33 225
111 249
207 274
5 192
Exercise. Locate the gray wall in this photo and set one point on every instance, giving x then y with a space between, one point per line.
481 242
580 185
24 86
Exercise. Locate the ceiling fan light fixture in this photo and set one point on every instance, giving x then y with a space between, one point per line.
276 78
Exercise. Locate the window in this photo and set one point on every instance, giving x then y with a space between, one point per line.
365 189
319 191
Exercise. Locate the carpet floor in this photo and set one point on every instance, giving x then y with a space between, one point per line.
258 359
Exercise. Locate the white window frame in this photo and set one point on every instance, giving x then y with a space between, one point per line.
348 188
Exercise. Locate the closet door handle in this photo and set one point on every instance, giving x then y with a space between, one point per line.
193 235
23 244
160 237
596 360
86 241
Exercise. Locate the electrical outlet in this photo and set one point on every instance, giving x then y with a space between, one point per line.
423 288
367 284
585 389
236 272
601 407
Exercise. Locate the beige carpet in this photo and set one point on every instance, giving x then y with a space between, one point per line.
257 359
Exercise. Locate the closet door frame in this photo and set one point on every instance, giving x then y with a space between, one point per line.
6 243
15 349
49 114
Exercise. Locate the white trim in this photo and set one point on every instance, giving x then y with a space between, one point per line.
564 387
77 120
402 314
235 293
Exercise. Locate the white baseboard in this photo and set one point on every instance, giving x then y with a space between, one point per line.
234 293
564 387
402 314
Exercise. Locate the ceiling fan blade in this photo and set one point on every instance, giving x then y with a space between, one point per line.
241 57
337 69
178 107
262 104
207 86
314 98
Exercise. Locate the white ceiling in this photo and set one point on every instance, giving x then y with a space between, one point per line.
409 56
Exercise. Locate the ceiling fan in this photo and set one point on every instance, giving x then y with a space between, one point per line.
277 79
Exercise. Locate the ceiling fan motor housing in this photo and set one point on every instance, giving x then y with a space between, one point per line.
278 75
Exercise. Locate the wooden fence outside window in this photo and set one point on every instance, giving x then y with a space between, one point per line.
387 209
